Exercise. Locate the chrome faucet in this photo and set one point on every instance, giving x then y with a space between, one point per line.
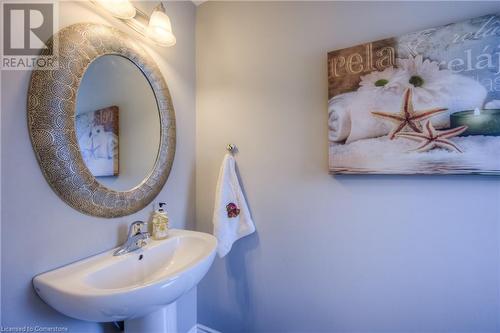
135 240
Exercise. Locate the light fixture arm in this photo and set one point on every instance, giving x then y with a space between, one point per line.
160 7
155 27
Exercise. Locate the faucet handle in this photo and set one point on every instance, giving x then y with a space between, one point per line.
141 243
135 228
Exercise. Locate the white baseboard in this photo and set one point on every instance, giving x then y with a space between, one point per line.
199 328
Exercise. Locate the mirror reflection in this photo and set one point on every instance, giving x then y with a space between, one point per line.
117 122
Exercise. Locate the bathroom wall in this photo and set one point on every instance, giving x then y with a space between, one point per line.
39 231
332 254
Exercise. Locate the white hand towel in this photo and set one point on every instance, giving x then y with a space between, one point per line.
231 219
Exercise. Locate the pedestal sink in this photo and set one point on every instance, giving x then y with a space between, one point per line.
140 287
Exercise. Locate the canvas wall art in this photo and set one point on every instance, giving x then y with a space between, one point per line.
424 103
97 134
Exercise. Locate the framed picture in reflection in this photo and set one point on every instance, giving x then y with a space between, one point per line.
98 136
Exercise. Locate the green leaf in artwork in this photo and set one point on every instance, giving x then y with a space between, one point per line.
381 82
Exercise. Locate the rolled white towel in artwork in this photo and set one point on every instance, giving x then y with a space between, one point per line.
363 124
339 121
494 104
462 93
465 93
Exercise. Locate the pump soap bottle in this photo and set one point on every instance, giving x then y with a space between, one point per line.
160 223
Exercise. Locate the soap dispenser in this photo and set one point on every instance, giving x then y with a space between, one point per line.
160 223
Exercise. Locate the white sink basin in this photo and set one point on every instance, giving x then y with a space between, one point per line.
107 288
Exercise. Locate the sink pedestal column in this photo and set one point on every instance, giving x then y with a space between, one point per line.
161 321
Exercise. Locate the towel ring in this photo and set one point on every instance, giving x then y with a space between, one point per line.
231 148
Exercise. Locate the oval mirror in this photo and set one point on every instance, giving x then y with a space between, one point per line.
102 123
117 122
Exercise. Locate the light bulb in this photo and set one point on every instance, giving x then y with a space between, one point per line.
160 28
119 8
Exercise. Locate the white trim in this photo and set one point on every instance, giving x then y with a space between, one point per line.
198 2
199 328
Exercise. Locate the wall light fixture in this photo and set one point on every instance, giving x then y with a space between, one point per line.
156 27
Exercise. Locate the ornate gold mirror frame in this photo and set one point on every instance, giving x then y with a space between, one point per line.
51 122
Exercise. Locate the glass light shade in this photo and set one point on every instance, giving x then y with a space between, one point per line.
119 8
160 28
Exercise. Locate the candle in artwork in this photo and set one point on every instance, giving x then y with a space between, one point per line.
478 121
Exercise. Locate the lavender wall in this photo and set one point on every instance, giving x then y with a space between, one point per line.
332 254
39 231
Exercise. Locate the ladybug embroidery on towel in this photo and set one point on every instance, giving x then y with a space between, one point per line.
232 210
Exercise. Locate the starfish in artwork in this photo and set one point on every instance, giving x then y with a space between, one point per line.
432 138
407 117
